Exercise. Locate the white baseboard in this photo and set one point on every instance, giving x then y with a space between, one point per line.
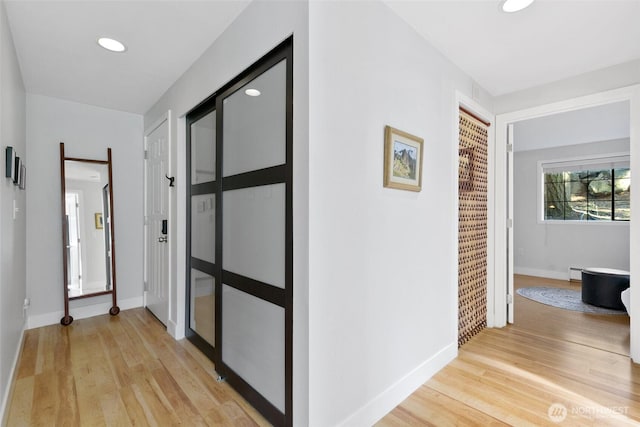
81 312
172 329
549 274
382 404
8 391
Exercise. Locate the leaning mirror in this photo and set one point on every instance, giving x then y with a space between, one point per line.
87 230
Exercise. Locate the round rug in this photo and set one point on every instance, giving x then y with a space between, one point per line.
568 299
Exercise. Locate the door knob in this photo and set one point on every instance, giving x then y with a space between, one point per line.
162 239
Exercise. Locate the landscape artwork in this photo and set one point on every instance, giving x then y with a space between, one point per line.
402 160
405 160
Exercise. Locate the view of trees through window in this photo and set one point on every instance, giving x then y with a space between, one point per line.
590 195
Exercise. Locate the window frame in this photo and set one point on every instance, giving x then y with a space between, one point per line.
588 159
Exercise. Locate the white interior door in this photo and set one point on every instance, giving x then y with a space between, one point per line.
156 204
510 294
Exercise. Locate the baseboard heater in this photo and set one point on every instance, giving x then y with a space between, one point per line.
575 274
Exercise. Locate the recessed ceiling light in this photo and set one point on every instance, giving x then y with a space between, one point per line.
111 44
515 5
252 92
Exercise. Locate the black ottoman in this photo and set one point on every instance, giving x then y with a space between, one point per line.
602 287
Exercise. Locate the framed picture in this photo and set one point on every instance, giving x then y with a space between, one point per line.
17 164
465 169
402 160
98 220
23 177
10 159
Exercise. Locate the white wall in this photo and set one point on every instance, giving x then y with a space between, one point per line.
618 76
12 243
87 131
383 262
549 249
601 123
258 29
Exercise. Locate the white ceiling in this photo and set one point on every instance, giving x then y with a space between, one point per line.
548 41
553 39
59 56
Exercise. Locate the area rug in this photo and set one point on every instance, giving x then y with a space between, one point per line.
568 299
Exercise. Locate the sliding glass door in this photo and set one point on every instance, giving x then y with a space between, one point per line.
241 236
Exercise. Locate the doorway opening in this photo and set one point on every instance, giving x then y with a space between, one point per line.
473 150
569 200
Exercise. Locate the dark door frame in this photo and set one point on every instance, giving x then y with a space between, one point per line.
272 175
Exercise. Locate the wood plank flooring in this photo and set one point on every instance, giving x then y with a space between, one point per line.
119 371
512 376
606 332
126 370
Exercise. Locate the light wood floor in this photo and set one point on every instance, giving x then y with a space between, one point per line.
126 370
512 375
119 371
606 332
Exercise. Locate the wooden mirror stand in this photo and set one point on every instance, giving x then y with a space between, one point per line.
88 242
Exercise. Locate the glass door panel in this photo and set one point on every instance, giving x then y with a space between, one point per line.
203 227
203 305
203 149
253 342
253 234
254 126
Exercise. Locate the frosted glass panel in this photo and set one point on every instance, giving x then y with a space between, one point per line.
203 305
254 126
253 237
253 342
203 227
203 149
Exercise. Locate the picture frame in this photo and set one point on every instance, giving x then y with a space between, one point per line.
465 169
402 160
98 221
17 164
10 158
23 177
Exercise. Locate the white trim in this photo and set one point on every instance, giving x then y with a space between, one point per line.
508 303
172 328
181 231
380 405
548 274
630 94
592 159
8 391
77 313
464 101
583 223
155 125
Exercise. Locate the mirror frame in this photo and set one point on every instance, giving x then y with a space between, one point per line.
114 310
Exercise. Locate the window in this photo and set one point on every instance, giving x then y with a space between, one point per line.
593 189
